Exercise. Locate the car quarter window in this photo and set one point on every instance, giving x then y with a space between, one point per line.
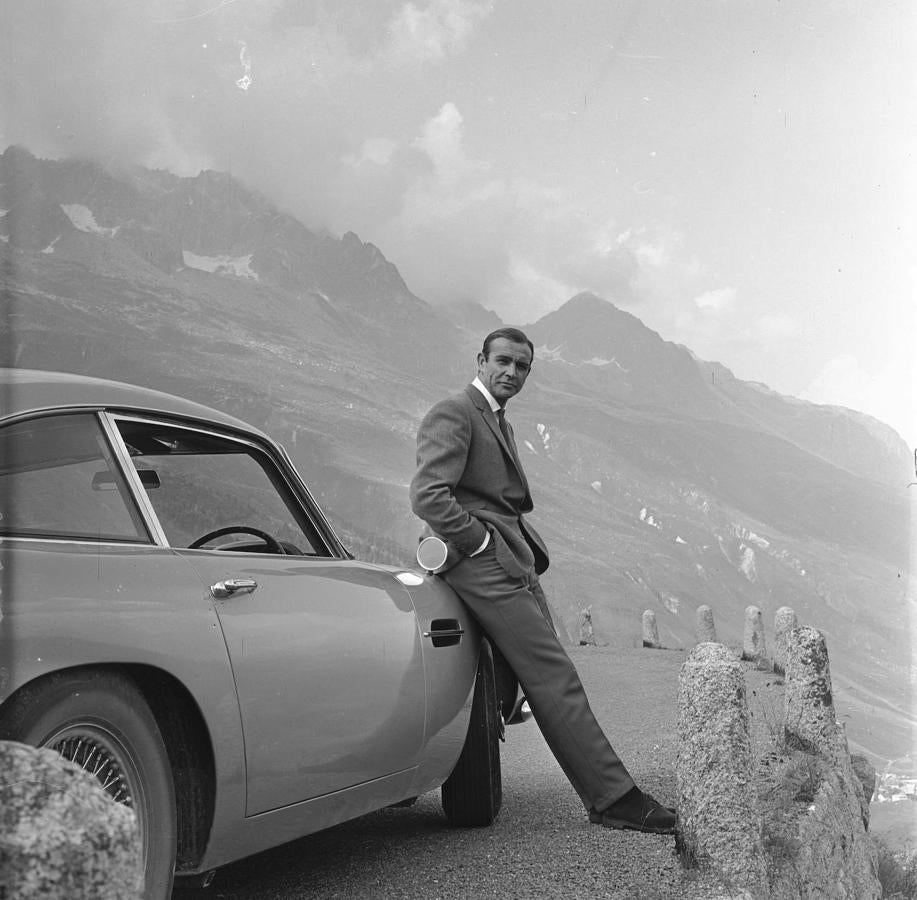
58 479
199 482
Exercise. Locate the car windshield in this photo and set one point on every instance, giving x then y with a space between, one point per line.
198 483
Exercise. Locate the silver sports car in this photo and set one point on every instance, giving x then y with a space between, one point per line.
178 614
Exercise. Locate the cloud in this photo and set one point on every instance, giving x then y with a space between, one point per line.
888 393
652 254
429 32
514 245
375 151
316 130
161 85
441 140
716 300
771 326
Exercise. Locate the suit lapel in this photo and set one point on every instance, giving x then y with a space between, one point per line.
490 417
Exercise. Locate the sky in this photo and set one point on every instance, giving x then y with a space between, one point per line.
739 175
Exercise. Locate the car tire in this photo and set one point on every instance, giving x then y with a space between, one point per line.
473 793
108 714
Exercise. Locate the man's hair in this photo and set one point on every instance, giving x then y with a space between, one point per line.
511 334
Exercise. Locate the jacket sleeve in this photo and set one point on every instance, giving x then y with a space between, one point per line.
443 442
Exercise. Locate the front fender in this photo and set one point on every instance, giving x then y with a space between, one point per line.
449 673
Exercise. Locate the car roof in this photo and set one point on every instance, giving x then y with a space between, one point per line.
32 390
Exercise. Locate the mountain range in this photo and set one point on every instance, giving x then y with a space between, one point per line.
661 481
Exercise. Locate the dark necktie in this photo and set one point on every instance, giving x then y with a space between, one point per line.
501 418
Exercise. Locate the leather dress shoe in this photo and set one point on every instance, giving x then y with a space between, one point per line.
638 812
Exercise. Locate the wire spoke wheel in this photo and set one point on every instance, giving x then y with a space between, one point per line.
101 722
98 752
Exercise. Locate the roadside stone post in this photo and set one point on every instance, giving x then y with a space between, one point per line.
835 851
704 628
810 719
784 623
586 631
650 631
753 644
719 821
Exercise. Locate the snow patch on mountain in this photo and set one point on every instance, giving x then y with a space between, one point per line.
743 534
747 563
596 486
551 354
679 539
647 516
555 354
749 537
82 219
696 499
529 447
598 361
545 436
50 247
237 266
789 560
671 603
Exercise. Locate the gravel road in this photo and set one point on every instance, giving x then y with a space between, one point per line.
542 844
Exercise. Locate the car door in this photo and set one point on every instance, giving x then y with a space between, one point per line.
325 651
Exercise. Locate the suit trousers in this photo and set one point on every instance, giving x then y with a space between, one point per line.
514 614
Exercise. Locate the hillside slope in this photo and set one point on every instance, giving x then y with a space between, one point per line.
660 481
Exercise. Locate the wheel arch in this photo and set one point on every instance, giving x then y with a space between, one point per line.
188 744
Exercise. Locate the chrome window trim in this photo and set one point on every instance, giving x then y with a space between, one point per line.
323 526
123 458
90 542
274 453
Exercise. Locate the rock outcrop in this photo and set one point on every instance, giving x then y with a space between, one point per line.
792 823
62 835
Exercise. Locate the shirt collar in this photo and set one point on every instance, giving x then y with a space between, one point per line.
494 406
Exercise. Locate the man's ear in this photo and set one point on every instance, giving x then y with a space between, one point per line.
481 359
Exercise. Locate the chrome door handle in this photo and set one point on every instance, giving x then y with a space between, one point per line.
223 589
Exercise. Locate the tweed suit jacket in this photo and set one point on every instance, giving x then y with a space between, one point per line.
469 481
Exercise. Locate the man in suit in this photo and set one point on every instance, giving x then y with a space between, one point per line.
471 491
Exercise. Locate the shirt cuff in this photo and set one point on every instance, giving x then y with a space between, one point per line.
483 546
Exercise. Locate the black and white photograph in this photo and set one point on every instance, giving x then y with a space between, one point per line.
458 448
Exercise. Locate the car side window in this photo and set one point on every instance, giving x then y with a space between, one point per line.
199 483
58 479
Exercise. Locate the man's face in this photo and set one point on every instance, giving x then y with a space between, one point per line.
505 369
